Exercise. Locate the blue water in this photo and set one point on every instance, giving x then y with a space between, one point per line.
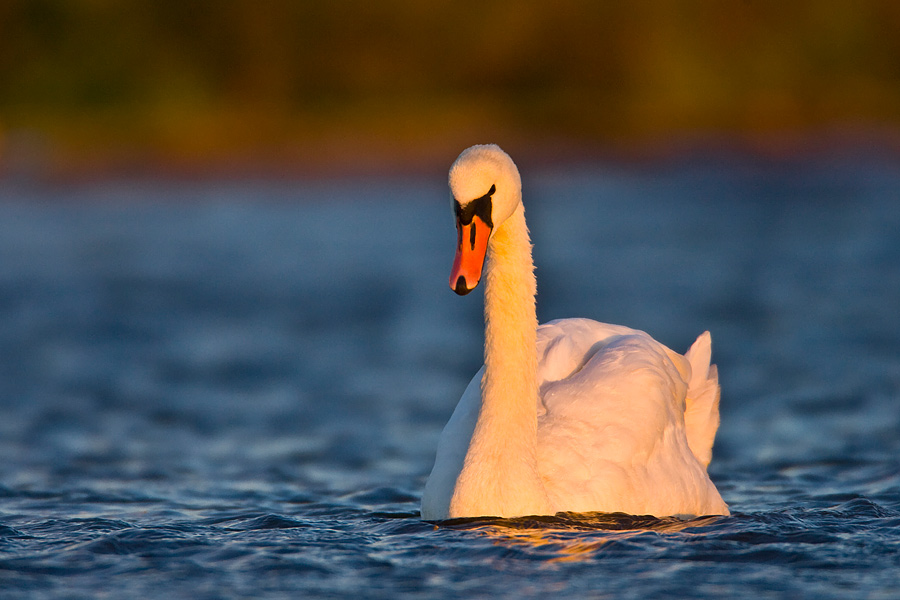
235 389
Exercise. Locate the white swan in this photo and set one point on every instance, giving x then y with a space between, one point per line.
574 415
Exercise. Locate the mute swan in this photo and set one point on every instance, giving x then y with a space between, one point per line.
573 415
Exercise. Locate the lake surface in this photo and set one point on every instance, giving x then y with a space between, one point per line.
235 389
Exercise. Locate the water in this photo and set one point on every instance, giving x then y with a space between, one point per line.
218 390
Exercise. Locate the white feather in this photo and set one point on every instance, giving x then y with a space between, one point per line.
574 415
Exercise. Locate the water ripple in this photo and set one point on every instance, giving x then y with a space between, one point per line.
207 395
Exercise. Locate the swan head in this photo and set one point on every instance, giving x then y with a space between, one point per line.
485 190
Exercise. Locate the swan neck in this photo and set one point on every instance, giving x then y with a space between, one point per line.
500 475
510 317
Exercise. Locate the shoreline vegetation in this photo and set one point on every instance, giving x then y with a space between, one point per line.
34 160
235 87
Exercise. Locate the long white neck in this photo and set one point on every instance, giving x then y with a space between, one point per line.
499 476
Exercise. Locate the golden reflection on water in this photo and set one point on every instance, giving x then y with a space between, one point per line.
570 537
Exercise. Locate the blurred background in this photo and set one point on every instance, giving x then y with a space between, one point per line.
101 85
227 343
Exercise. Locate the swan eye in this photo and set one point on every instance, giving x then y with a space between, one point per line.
479 207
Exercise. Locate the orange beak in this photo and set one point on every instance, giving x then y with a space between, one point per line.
471 246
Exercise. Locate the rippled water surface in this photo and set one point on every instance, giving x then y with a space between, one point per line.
235 389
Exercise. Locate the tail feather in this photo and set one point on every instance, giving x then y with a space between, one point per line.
701 416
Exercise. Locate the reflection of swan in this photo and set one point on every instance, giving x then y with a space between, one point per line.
573 415
571 537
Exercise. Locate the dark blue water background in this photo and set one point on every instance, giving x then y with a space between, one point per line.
235 389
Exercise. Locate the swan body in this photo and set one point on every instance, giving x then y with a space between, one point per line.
573 415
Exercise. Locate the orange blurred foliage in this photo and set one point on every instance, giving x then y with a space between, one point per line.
219 80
